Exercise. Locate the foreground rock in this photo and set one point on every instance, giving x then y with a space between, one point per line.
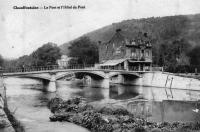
109 118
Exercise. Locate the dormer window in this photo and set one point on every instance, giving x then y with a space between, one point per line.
148 43
133 42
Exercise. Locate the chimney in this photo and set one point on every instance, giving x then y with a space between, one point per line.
145 35
118 30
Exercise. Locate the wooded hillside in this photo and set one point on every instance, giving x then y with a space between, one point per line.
165 32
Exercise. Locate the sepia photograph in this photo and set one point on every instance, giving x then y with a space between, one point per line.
99 66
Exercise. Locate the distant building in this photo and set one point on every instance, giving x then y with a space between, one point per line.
64 61
121 52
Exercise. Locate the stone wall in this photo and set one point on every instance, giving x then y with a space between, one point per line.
162 79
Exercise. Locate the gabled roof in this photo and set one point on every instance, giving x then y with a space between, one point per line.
118 36
121 36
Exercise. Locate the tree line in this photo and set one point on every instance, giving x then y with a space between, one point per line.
176 55
43 56
82 51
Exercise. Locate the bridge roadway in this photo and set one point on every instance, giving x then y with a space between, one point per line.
99 77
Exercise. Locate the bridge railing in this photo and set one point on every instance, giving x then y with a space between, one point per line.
45 68
28 69
130 68
56 67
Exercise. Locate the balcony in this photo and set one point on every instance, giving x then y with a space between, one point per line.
137 58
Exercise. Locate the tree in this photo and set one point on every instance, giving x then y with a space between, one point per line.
173 54
1 61
43 56
46 55
194 55
84 50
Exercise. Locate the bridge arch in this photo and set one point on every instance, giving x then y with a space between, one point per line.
135 75
95 74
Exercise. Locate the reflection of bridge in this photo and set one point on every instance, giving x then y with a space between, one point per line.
99 77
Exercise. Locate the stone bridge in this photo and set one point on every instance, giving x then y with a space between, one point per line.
99 77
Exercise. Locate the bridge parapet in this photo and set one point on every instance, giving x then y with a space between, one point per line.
72 67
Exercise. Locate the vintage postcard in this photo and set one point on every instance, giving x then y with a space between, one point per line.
99 65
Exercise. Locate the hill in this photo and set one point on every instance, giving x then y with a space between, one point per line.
161 29
175 39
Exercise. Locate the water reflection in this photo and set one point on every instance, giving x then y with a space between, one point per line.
122 92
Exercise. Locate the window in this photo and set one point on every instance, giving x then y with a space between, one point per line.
133 42
118 50
147 53
107 47
133 52
142 53
113 45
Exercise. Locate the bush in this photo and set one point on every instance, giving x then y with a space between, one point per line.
108 119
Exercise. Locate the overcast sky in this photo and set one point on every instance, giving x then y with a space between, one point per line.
23 31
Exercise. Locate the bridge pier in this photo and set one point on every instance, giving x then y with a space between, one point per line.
121 79
105 83
51 87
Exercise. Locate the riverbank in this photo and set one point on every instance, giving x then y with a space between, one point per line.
5 124
17 126
8 123
110 118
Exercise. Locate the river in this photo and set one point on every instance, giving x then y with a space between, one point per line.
28 102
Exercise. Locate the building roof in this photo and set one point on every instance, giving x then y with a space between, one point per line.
112 62
120 36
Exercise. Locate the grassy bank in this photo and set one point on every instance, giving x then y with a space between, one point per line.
110 118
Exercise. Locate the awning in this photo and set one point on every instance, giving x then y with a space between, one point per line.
112 62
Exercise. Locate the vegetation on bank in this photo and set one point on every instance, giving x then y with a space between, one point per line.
110 119
45 55
84 51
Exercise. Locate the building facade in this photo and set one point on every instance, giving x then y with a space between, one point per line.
63 62
125 53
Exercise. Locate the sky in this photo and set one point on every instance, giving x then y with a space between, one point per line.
23 31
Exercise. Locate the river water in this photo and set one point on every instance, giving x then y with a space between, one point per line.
28 102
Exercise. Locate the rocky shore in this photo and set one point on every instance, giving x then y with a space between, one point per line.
109 118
